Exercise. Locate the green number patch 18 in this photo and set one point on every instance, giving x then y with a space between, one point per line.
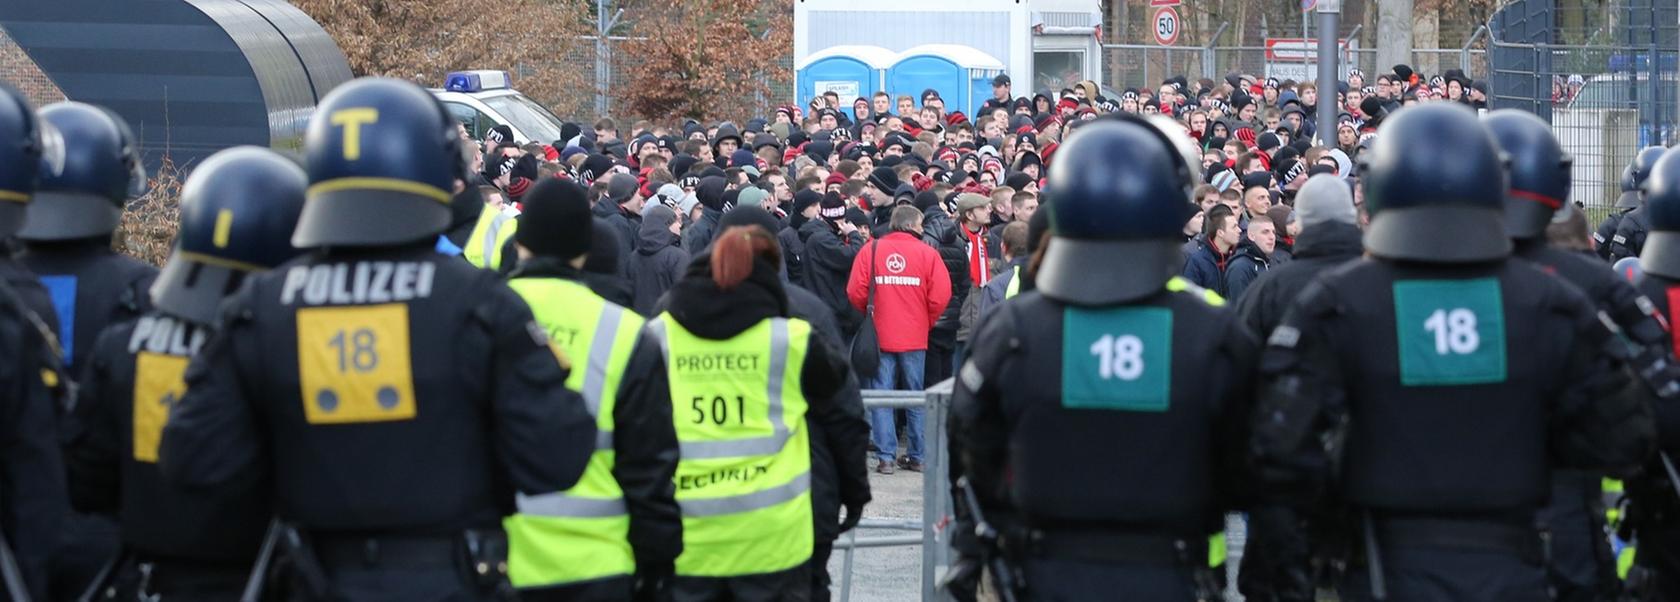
1117 359
1451 332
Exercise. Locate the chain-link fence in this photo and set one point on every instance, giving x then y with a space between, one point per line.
1146 65
1606 97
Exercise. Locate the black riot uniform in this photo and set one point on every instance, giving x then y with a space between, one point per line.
1582 565
1627 201
393 398
1414 401
67 239
67 244
1635 225
1655 508
238 209
32 500
1100 420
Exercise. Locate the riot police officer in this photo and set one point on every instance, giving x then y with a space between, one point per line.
1655 508
1631 230
67 244
741 379
33 504
393 397
585 543
1413 399
67 239
1583 566
238 210
1626 201
1140 374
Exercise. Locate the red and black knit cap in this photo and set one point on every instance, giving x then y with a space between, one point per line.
517 188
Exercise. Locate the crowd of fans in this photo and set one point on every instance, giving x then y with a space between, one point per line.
836 176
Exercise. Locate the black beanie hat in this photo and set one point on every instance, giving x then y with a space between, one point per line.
603 248
525 167
833 207
680 164
556 220
710 192
568 131
595 166
884 178
925 200
747 216
805 198
1018 181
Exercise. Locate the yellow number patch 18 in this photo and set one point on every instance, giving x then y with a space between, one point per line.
353 364
158 383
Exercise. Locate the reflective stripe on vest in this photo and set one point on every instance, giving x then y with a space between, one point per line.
1014 287
580 534
1179 285
489 235
744 480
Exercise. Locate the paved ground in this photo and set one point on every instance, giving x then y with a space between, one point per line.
895 574
886 574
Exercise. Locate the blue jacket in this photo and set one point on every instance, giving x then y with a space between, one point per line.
1206 267
1246 265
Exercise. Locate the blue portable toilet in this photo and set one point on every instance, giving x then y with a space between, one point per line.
850 71
962 75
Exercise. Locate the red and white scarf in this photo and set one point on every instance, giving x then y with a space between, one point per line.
978 272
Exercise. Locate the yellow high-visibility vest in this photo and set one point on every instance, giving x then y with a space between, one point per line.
580 534
489 235
744 478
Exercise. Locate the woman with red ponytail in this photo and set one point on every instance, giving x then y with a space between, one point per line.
741 380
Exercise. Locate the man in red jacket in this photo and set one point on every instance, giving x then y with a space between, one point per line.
911 290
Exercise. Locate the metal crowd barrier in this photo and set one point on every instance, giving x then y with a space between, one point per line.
936 493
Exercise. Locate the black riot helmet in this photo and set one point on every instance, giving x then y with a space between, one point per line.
1629 197
1643 164
1435 187
1538 173
1661 254
25 144
238 210
383 157
82 192
1120 188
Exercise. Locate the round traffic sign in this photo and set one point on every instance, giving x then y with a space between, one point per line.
1166 26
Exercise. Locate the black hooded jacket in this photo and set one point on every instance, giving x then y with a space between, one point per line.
828 265
700 234
940 232
1319 248
658 261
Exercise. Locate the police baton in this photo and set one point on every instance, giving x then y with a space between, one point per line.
1373 557
265 561
10 574
1002 576
1673 475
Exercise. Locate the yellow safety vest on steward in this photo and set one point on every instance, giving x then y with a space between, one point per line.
489 235
744 479
581 534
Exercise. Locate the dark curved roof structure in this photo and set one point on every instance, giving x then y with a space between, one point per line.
191 76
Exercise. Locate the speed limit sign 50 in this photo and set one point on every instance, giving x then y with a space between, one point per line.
1166 26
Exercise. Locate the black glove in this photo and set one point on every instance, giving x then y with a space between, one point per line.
962 581
652 581
854 513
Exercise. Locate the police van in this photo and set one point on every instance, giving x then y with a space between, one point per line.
484 99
